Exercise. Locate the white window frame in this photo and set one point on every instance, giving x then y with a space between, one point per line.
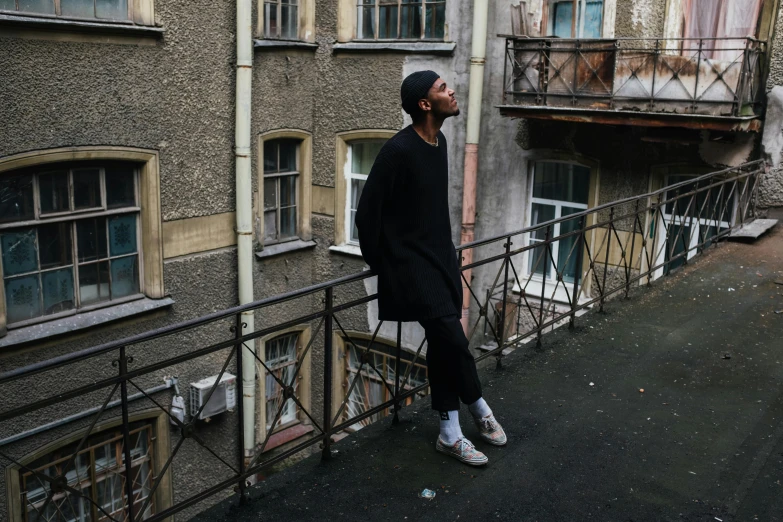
350 176
552 290
277 176
607 17
140 12
292 417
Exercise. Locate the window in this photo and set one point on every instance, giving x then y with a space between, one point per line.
98 472
400 19
281 180
281 19
281 358
69 237
372 390
588 22
558 189
139 11
361 156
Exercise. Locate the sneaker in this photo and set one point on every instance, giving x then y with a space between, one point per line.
491 431
462 450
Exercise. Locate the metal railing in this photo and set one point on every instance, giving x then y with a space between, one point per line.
527 282
719 77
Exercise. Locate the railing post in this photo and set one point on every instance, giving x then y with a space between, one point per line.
696 81
396 418
241 483
502 337
654 230
123 364
740 92
578 272
328 329
543 288
606 259
656 54
630 257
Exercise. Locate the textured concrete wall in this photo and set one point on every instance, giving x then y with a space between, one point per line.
640 18
771 188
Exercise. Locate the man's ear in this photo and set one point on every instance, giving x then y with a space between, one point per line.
425 105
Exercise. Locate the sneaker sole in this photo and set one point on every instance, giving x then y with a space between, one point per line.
468 462
488 441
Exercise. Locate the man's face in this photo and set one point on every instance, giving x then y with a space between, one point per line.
442 100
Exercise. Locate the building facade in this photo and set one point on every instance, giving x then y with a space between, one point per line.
117 182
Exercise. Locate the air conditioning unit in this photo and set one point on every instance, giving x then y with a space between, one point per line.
223 398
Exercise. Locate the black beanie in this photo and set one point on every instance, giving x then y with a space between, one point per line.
415 88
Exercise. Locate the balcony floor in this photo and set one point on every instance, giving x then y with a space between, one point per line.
703 442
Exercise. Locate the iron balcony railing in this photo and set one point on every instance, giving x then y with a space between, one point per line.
526 282
719 77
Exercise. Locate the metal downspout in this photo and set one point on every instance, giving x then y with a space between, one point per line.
245 212
478 53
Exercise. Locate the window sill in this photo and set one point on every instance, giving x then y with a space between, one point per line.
269 43
287 435
79 25
348 250
74 323
284 248
374 46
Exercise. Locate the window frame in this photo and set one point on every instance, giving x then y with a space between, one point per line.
278 177
304 380
350 176
304 187
148 200
376 6
551 289
72 217
295 418
345 373
608 15
305 22
140 12
160 448
341 185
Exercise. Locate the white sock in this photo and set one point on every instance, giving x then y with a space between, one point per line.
450 432
479 409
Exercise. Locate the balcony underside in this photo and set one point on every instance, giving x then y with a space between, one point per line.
633 118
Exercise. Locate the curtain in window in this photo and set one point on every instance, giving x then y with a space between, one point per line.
720 19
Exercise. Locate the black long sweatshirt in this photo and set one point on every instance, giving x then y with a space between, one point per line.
405 230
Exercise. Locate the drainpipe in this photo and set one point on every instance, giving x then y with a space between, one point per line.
478 53
245 211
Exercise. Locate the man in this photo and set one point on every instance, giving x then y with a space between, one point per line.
405 237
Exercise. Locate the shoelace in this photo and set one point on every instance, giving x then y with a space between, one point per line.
465 446
489 424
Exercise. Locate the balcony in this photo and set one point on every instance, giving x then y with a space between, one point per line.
707 83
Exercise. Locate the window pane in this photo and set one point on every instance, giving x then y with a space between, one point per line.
539 261
270 193
16 198
8 5
356 188
54 242
270 156
80 8
388 21
365 28
37 6
592 23
120 187
288 191
58 290
53 188
91 239
287 222
567 252
124 277
436 18
561 182
122 234
94 283
20 253
22 297
272 23
290 22
410 23
111 9
287 156
270 225
563 16
363 155
86 188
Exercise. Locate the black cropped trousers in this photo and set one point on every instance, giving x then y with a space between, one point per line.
451 368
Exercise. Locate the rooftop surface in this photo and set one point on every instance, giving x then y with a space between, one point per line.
703 442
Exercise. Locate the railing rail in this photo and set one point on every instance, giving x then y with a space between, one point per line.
556 269
717 77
